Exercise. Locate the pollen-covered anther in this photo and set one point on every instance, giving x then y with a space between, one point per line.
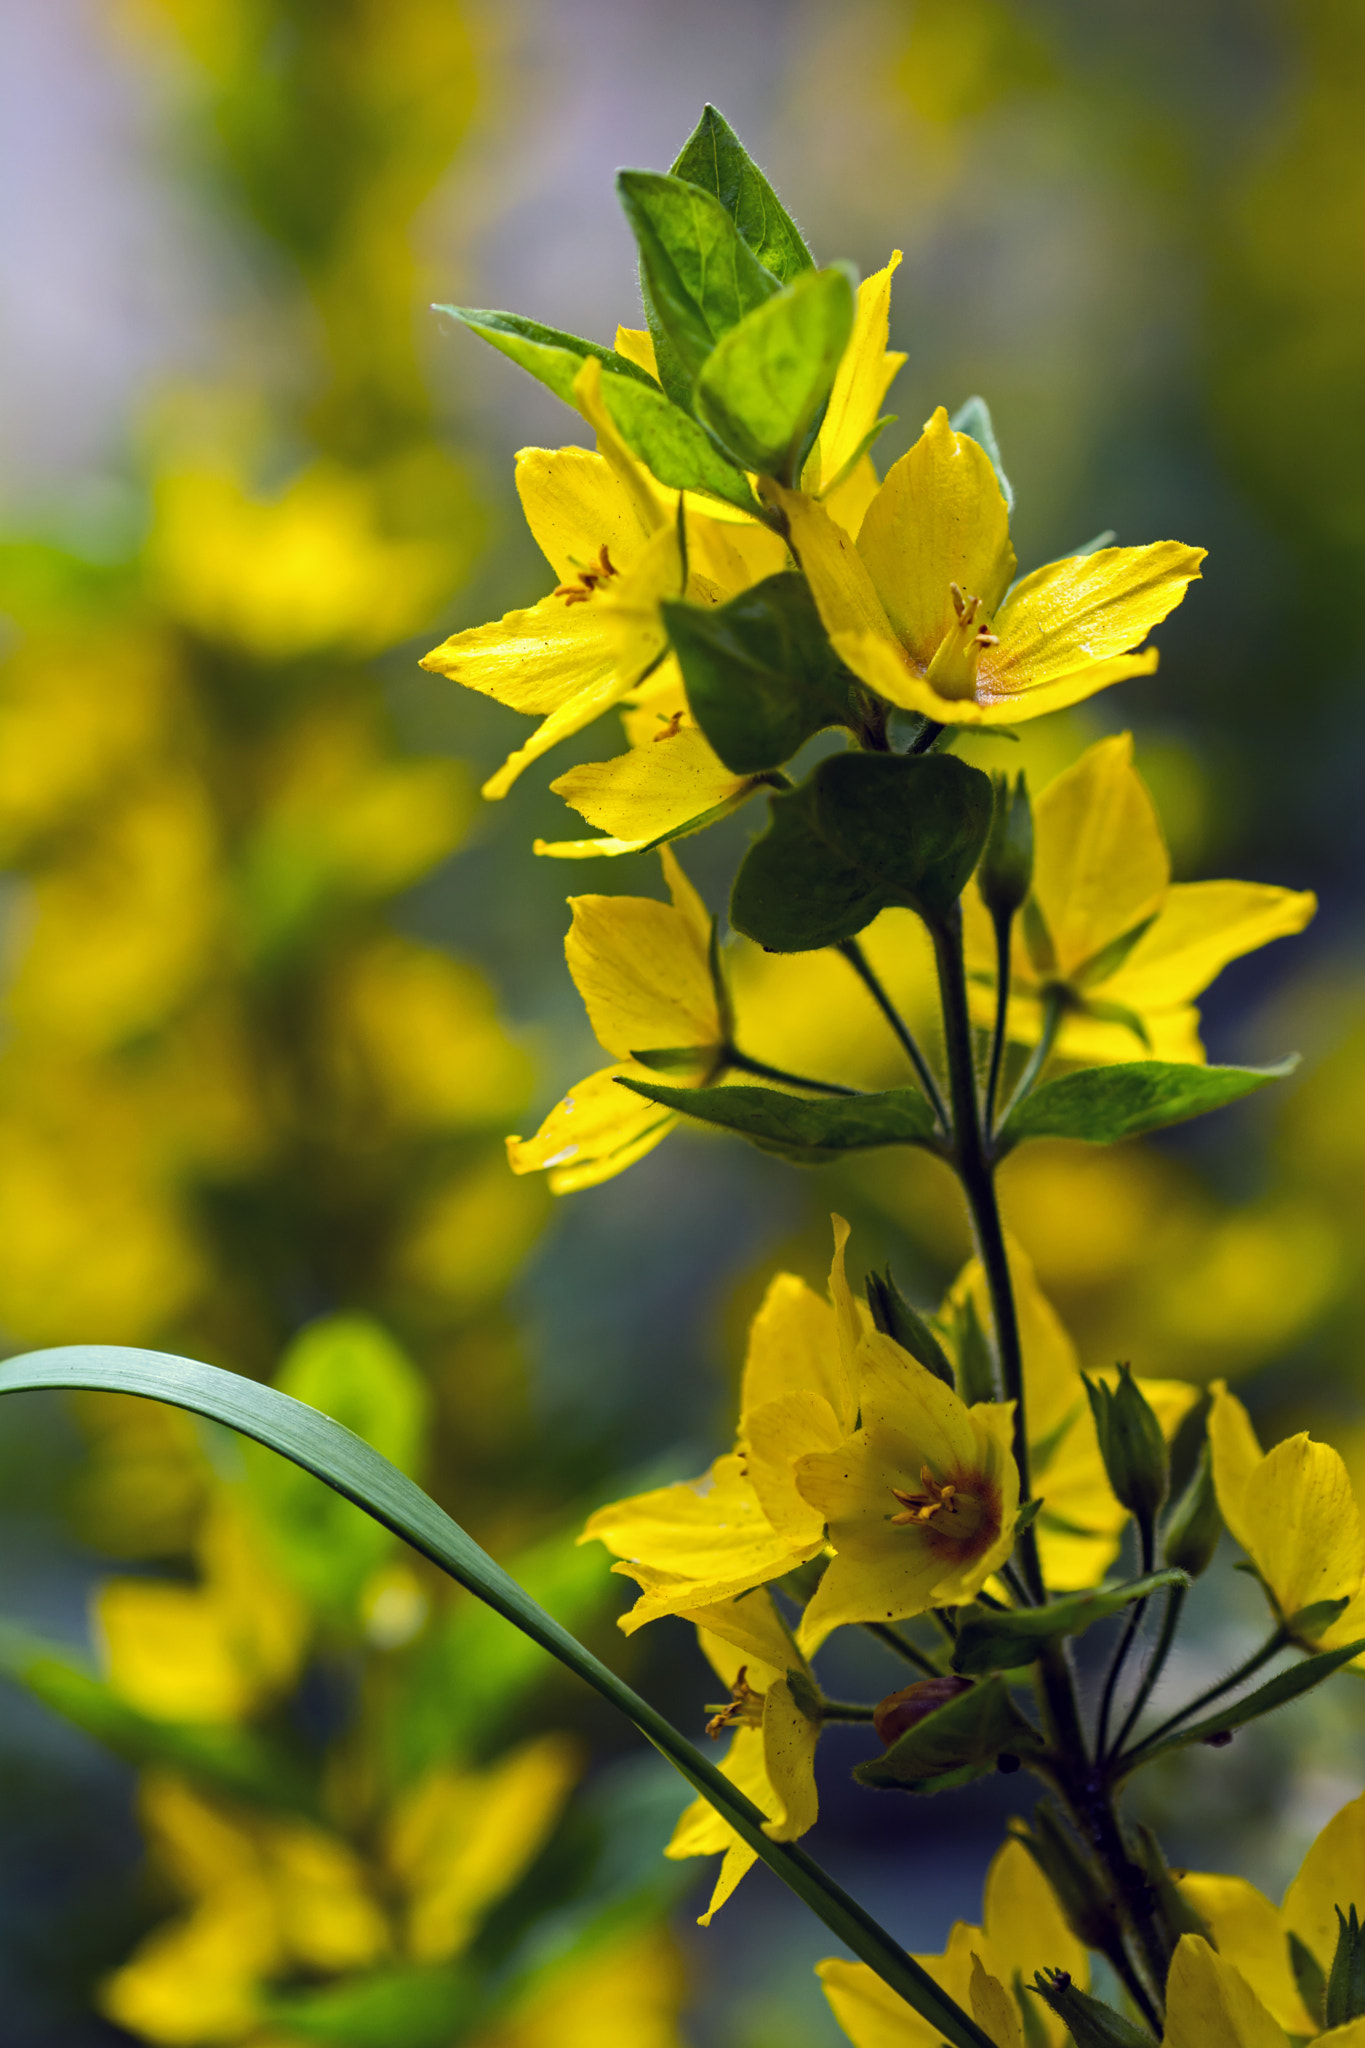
743 1709
669 728
588 580
922 1507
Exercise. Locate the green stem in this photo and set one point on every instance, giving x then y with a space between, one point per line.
845 1710
1003 921
903 1647
978 1185
1053 1010
927 738
1170 1622
742 1064
1271 1648
861 966
1125 1644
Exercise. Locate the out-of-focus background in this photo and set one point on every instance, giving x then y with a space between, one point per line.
276 985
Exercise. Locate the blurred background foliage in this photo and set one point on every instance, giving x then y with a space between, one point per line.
275 986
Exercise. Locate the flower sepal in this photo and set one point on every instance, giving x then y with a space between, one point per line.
964 1737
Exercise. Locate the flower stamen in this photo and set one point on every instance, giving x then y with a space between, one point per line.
922 1507
580 592
743 1709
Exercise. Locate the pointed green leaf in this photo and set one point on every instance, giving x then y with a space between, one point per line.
1276 1692
957 1742
807 1131
865 832
357 1472
989 1639
764 386
1104 1104
714 158
761 675
702 276
546 352
974 418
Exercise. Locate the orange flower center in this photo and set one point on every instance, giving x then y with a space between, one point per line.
944 1508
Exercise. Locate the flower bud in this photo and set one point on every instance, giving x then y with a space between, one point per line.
901 1710
1131 1444
1345 1999
1006 868
895 1318
1090 2023
1195 1522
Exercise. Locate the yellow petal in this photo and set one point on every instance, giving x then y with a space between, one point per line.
861 383
636 344
655 792
1332 1875
702 1832
840 584
870 2012
749 1632
776 1436
789 1739
993 2008
1236 1455
709 1534
1100 863
1087 608
1011 697
199 1978
1249 1934
1202 926
641 968
1308 1544
1024 1925
595 1132
847 503
1052 1372
1209 2003
939 519
535 661
637 485
326 1914
575 506
794 1348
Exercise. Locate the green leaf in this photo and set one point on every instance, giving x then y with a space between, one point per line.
805 1131
761 675
974 418
1104 1104
957 1742
352 1370
864 832
714 158
667 440
407 2007
357 1472
988 1639
702 276
235 1760
1276 1692
765 384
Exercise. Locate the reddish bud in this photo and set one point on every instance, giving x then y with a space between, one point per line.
901 1710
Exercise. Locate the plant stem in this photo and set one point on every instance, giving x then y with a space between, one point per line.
978 1185
1003 923
861 966
927 738
903 1647
1125 1643
1053 1006
844 1710
1270 1648
1170 1622
742 1064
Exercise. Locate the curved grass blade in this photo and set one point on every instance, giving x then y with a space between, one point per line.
351 1468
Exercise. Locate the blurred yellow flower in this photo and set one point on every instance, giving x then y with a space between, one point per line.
1106 931
627 1992
919 607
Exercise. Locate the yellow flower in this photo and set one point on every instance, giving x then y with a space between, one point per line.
743 1523
1294 1512
627 1991
1210 2003
839 470
772 1748
611 535
984 1968
1127 949
918 607
643 969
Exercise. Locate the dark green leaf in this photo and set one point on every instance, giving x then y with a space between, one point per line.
702 276
1316 1618
900 1320
714 158
974 418
357 1472
957 1742
761 675
989 1639
546 352
808 1132
1089 2022
865 832
766 382
1104 1104
1276 1692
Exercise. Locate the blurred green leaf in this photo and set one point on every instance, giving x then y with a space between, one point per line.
864 832
714 158
1103 1104
960 1740
352 1370
764 385
402 2008
348 1465
703 277
761 675
990 1639
806 1131
1276 1692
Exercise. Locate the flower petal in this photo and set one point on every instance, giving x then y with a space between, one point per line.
1087 608
1100 864
1301 1510
789 1739
1332 1874
642 970
994 2011
938 519
1208 2000
1250 1934
1236 1455
654 793
776 1436
861 384
575 506
710 1535
1202 926
842 589
747 1632
793 1348
1025 1928
536 660
596 1132
870 2012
